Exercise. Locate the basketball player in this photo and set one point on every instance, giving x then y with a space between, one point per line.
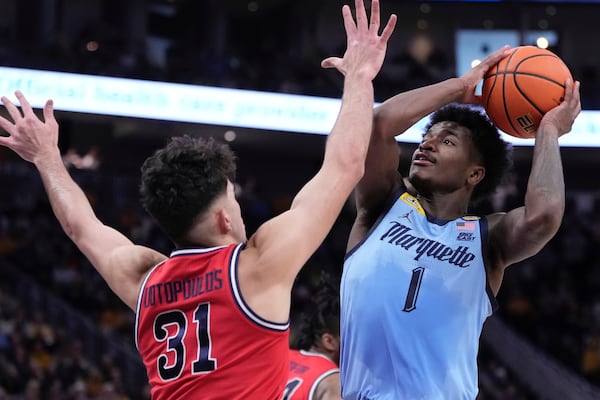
314 373
421 274
213 317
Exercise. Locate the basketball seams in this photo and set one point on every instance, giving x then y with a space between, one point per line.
507 114
486 101
528 58
524 95
532 74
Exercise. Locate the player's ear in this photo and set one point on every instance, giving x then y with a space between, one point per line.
329 342
475 175
223 220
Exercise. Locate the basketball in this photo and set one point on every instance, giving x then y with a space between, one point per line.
522 87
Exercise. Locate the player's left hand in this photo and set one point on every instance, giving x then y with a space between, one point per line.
365 49
29 136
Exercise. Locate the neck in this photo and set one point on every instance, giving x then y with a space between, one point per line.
319 350
447 206
203 237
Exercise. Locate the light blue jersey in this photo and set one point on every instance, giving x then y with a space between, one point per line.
414 298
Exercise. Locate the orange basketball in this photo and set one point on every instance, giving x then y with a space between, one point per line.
522 87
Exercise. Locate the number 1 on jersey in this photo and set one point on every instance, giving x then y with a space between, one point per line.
413 289
204 363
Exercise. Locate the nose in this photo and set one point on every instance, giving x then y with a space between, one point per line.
427 144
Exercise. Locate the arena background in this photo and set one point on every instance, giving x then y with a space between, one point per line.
64 335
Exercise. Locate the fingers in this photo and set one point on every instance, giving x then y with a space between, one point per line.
568 90
375 15
16 115
6 141
577 94
572 96
389 28
361 15
25 106
571 92
348 20
6 125
49 111
496 56
11 108
574 89
331 62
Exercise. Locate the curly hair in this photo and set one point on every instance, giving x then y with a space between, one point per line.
323 315
180 181
495 153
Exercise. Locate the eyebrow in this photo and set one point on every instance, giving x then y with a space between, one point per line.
443 131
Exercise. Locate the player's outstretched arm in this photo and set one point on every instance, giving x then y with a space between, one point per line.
523 232
117 259
285 243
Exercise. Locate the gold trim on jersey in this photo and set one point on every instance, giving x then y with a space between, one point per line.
413 202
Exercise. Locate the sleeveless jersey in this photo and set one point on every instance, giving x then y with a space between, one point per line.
414 297
307 370
198 338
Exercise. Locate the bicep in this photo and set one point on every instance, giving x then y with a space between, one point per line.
120 262
98 241
513 238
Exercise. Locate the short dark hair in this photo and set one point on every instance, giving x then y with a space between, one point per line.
495 153
322 316
180 181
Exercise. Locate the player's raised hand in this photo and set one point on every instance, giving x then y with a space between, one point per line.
365 49
562 117
472 77
29 136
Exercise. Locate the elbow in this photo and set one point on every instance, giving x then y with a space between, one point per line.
358 171
547 221
546 224
382 123
354 169
76 229
71 231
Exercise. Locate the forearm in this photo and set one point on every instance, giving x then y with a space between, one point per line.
69 203
398 113
348 141
545 194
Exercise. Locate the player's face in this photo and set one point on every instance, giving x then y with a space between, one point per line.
442 160
235 213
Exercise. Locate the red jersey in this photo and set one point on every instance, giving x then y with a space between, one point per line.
307 370
197 336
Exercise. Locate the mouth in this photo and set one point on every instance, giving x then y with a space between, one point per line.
422 159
